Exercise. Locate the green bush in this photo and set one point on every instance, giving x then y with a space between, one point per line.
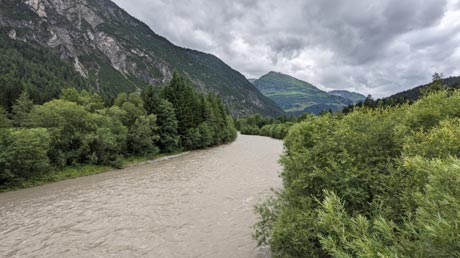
24 153
142 136
443 140
432 231
69 124
372 183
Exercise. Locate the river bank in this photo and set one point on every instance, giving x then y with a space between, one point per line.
72 172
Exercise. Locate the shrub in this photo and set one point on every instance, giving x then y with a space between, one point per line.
24 153
372 183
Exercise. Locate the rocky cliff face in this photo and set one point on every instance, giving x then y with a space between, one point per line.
115 52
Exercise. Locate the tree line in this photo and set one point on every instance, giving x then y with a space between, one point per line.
410 96
267 126
79 128
376 182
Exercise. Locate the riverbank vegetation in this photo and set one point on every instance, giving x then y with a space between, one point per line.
377 182
266 126
79 133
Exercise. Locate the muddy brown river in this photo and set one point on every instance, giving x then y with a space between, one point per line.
200 204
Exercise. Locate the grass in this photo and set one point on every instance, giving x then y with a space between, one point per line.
78 171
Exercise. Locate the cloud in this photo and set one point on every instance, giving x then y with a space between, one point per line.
378 47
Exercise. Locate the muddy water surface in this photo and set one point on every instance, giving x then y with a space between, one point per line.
196 205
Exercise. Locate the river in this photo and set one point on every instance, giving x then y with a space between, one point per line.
200 204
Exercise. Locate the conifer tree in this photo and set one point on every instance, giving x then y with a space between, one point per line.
167 127
22 109
185 102
4 121
152 99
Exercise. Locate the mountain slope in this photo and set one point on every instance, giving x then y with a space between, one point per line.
115 52
415 93
296 96
35 69
353 96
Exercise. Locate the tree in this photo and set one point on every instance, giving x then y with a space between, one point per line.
22 109
25 155
91 102
206 109
107 143
4 121
369 101
152 99
436 85
206 134
185 102
133 105
142 135
437 77
70 94
167 127
69 124
191 139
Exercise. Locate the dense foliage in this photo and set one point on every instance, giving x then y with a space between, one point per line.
382 182
266 126
79 129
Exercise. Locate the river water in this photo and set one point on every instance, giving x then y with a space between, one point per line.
197 205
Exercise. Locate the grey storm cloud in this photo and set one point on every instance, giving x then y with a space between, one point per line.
378 47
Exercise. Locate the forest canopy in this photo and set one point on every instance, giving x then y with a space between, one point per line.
79 128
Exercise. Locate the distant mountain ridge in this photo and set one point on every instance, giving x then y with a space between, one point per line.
353 96
114 52
415 93
296 96
409 96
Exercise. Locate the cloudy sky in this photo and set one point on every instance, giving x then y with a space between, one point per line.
376 47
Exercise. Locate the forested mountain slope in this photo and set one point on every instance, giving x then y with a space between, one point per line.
115 52
353 96
296 96
415 93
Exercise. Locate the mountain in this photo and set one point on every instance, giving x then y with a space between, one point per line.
353 96
415 93
296 96
409 96
114 52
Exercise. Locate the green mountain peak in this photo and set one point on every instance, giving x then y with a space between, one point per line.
295 96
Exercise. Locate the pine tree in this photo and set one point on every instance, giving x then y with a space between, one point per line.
22 109
167 127
185 102
152 99
4 121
